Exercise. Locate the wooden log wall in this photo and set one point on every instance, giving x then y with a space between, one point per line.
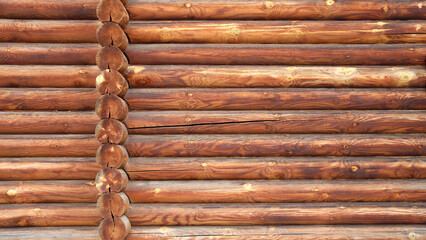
199 119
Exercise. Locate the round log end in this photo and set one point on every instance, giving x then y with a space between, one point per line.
111 81
112 155
111 180
111 34
113 11
111 106
111 131
111 57
115 204
116 228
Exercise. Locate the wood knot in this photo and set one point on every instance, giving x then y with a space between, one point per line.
354 168
329 2
269 4
188 5
11 192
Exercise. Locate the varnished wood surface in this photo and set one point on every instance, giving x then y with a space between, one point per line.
66 233
378 232
48 54
48 145
276 54
276 99
19 169
43 31
276 168
175 76
48 99
13 192
275 145
276 214
275 10
276 32
274 122
41 215
276 191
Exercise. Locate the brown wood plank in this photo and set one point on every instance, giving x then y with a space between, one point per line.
274 145
12 192
45 76
276 214
277 32
41 215
259 122
275 10
48 54
275 54
19 169
376 232
276 191
48 145
66 233
176 76
41 31
276 168
48 99
274 99
48 9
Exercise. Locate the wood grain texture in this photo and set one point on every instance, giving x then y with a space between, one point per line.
20 169
111 180
111 131
113 204
276 99
114 228
277 32
111 81
48 54
110 33
276 168
48 99
276 54
36 233
42 31
276 214
175 76
275 10
275 145
111 106
42 215
48 145
276 122
376 232
114 11
12 192
49 9
111 57
112 155
44 76
276 191
48 122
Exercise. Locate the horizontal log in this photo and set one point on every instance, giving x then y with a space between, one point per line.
391 232
271 54
276 191
65 233
48 122
259 122
276 214
275 145
48 9
48 99
277 32
172 76
20 169
39 31
48 146
48 192
276 168
270 99
216 122
39 76
42 215
275 10
175 76
48 54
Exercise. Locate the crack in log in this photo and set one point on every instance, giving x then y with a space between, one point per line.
202 124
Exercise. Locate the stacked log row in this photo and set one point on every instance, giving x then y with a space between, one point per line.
110 107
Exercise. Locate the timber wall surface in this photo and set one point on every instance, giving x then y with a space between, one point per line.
236 119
